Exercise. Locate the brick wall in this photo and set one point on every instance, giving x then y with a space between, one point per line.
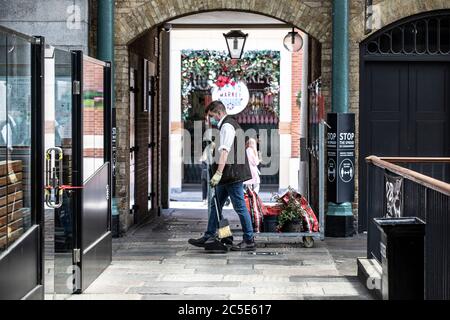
142 48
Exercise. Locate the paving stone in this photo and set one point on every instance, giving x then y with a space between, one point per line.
268 297
186 284
323 279
230 271
156 290
200 262
224 268
222 290
185 297
290 290
156 263
302 272
255 278
111 289
328 297
194 277
105 297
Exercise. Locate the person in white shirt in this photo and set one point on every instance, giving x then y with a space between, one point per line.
229 176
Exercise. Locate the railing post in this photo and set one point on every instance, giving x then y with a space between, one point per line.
322 179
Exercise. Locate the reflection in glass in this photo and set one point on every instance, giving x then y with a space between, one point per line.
15 139
61 116
93 126
3 156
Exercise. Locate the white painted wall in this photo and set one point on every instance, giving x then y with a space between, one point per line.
212 39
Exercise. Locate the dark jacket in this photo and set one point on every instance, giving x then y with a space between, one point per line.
234 171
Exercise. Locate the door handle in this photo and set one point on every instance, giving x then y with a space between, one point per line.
54 178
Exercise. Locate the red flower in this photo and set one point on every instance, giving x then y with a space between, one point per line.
223 81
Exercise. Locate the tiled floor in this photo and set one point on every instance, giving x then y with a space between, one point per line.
155 262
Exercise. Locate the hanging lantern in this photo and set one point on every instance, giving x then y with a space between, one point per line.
293 42
235 42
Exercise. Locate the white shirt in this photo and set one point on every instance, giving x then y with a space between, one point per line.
227 134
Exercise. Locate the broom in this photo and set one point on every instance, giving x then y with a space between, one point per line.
224 230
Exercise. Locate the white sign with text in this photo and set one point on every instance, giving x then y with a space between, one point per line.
234 97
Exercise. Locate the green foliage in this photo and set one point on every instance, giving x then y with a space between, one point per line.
299 98
91 94
88 103
292 210
210 64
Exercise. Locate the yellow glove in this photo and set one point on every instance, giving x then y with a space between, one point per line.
216 179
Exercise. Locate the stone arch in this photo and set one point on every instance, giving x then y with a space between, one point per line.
135 17
136 20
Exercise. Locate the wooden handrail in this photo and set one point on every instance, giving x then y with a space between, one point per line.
431 183
415 160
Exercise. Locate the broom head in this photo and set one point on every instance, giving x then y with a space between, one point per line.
224 229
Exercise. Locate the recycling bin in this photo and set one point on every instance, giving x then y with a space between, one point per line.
402 255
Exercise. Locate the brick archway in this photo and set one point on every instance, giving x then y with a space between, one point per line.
132 21
135 17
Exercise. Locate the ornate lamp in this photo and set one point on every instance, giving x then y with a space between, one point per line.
235 42
293 41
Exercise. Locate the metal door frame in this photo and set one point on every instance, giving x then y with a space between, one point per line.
33 239
77 166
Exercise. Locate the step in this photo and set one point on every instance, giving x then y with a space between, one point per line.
369 273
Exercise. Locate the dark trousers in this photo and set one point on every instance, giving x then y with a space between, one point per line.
204 189
236 193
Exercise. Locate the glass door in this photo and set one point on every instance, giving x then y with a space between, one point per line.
92 144
59 211
77 171
21 166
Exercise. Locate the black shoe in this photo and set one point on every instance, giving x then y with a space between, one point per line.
198 242
227 241
246 245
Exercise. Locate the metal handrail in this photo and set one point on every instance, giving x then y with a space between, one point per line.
24 36
431 183
415 160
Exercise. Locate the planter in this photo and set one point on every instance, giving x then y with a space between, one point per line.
270 224
294 226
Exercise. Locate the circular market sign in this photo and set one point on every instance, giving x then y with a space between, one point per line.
234 97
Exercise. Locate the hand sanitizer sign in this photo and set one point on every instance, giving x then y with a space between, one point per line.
341 157
234 96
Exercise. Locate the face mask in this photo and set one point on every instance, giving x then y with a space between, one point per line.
213 121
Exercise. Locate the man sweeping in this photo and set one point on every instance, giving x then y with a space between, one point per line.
230 172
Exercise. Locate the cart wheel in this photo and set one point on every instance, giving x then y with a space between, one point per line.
308 242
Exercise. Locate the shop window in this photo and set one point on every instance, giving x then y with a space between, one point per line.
15 139
202 69
93 122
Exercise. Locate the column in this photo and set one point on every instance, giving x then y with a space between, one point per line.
340 215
